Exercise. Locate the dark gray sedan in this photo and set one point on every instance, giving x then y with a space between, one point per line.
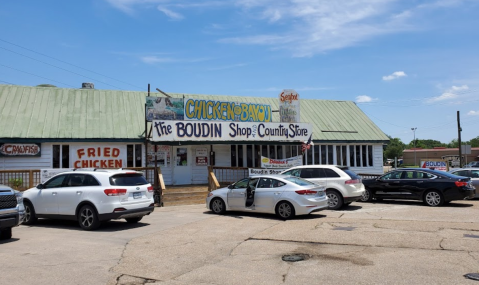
433 187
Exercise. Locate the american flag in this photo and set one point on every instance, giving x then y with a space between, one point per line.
307 144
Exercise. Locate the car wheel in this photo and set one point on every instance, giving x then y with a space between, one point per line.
218 206
433 198
367 196
285 210
6 233
88 219
30 218
335 200
133 220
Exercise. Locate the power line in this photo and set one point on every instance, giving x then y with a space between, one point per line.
59 67
62 61
7 82
36 75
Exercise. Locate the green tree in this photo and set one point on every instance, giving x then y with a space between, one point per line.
45 85
426 144
474 142
394 148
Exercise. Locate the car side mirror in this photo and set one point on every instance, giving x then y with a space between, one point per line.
40 186
231 186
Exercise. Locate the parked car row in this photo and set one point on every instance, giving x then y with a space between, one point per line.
305 189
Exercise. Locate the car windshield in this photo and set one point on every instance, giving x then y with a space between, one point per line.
352 174
299 181
128 180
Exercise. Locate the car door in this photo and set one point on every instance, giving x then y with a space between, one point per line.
413 183
70 196
475 180
46 200
236 197
267 193
388 185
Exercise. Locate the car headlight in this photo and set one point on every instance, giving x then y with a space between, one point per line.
19 196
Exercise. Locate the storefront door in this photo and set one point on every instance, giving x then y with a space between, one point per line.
182 163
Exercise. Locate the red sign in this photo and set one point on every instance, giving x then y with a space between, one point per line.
20 149
201 160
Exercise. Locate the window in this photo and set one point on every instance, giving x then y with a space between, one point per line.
240 155
233 156
330 154
324 155
364 155
392 175
61 156
134 155
279 152
243 183
257 155
181 156
316 154
128 180
293 172
475 174
249 155
55 182
330 173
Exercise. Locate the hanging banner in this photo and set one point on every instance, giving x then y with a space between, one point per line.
230 131
20 149
205 110
281 163
289 106
163 108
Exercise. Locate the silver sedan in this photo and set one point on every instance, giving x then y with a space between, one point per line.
283 195
472 172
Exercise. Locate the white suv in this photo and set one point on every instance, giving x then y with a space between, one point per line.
91 197
343 186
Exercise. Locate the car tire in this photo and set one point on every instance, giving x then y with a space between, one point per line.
30 217
285 210
133 220
218 206
433 198
6 233
88 218
335 200
367 196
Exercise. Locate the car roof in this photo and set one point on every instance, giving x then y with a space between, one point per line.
102 171
465 168
270 176
317 166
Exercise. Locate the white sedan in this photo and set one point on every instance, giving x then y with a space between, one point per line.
283 195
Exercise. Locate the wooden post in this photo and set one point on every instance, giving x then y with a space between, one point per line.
30 179
161 185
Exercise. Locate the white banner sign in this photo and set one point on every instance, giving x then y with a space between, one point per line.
437 165
281 163
46 174
259 171
230 131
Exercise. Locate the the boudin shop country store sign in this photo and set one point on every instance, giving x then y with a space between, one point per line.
230 131
94 156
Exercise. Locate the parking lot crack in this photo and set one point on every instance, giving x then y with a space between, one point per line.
440 243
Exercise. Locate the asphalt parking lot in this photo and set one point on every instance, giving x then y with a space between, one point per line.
391 242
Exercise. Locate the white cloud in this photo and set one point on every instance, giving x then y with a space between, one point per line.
394 75
364 99
155 59
448 94
170 14
473 113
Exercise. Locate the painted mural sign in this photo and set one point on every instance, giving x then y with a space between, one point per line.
289 106
98 156
281 163
230 131
163 108
206 110
20 149
434 164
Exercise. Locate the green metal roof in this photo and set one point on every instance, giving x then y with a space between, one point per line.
61 114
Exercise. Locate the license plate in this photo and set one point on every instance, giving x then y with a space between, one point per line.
136 195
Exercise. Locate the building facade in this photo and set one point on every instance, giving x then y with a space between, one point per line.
59 128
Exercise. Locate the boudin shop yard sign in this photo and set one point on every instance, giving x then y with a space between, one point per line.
230 131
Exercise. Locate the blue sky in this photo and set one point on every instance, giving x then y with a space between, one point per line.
407 63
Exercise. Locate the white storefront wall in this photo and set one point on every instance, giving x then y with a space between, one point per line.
173 174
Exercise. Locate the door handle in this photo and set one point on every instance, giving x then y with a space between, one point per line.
79 192
54 193
419 181
396 182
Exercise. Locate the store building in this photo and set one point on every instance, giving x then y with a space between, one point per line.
50 128
414 156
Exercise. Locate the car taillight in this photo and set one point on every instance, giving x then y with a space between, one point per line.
306 192
150 189
352 181
460 183
115 192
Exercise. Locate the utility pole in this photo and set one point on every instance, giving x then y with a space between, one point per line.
414 131
459 130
